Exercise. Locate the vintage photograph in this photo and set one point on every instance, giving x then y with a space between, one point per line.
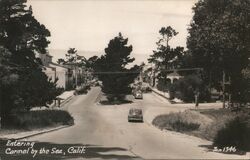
124 79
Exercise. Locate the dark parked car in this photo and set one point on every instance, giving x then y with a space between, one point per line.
135 115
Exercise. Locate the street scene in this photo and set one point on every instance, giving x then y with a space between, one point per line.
124 79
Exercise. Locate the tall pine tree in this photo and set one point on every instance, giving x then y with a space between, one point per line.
112 70
166 57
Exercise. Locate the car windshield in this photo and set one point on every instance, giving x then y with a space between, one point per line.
135 111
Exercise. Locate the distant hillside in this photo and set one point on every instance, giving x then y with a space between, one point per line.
60 53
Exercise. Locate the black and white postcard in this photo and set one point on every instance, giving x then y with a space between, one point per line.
124 79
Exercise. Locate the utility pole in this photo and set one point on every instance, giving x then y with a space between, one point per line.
140 76
152 75
76 76
230 94
224 83
223 89
196 97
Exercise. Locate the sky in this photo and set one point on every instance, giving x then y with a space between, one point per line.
89 25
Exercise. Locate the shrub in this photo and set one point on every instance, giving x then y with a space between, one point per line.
235 133
60 90
110 99
219 118
162 85
39 119
82 90
172 90
185 126
187 87
147 90
223 127
181 121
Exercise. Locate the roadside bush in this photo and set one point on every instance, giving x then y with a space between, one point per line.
181 121
185 89
60 90
39 119
184 126
219 119
110 99
223 127
172 90
116 97
235 133
82 90
163 85
147 90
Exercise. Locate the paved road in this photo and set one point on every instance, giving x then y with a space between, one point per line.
107 134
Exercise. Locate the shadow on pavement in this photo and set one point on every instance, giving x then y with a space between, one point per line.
91 151
136 121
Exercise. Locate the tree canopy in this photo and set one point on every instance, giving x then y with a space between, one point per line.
218 41
21 38
72 58
112 68
166 57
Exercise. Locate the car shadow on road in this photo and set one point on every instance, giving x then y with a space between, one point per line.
136 121
91 151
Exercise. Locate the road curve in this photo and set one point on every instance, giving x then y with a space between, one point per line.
107 134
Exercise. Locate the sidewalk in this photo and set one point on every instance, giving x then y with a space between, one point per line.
214 105
27 134
161 93
65 97
66 94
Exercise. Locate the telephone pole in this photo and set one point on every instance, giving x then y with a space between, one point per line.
224 83
223 89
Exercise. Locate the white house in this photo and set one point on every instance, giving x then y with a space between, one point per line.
63 74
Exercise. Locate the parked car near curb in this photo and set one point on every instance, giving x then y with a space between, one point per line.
135 115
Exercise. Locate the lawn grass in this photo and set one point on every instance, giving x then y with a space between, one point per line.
222 126
186 121
38 119
207 122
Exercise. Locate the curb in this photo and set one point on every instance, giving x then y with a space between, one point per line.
162 95
66 100
32 135
39 133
